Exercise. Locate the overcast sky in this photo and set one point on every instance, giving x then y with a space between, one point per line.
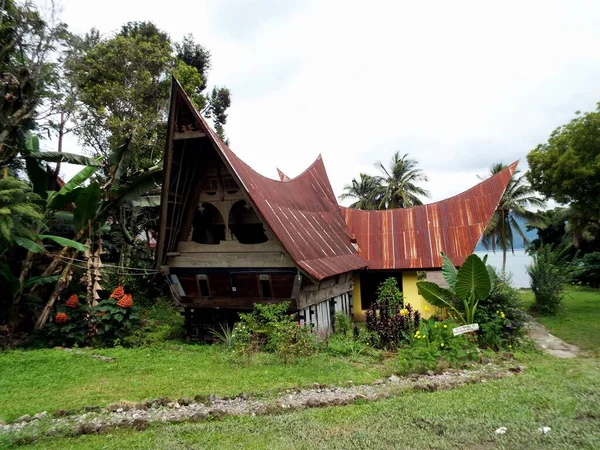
458 85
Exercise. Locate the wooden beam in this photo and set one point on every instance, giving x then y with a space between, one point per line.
309 298
188 135
233 302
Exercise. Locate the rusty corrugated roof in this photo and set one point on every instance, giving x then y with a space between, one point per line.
304 215
302 212
412 238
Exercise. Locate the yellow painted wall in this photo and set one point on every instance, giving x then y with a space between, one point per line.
358 312
409 289
411 294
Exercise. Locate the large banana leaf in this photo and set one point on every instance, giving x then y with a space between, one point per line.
71 158
29 244
64 242
449 271
473 281
121 159
33 281
75 182
139 185
86 206
438 296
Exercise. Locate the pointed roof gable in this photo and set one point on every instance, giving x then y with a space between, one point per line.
412 238
302 213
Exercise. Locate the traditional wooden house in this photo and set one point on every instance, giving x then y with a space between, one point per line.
230 237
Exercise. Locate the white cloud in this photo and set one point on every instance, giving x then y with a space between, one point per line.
457 85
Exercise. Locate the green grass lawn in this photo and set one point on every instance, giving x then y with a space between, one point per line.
578 319
46 380
561 394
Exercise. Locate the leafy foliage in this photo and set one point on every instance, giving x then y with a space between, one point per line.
500 316
473 283
567 167
551 270
272 329
104 324
20 210
589 272
434 348
389 319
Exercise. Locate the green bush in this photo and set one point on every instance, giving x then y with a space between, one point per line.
388 319
590 269
272 329
500 317
433 347
160 323
342 324
76 323
550 272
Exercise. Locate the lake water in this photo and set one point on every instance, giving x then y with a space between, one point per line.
515 264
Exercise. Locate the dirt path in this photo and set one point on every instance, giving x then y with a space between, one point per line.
550 343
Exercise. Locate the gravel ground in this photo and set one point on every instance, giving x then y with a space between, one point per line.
138 416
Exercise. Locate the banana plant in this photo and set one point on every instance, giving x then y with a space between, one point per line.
94 202
469 285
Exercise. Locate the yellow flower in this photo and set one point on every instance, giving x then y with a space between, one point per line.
404 312
502 315
442 344
426 309
445 326
497 312
418 332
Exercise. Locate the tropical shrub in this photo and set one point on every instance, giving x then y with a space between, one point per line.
272 329
107 323
388 319
550 271
590 269
469 285
433 347
500 318
342 325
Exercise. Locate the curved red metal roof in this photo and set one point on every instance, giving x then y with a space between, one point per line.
302 212
304 215
412 238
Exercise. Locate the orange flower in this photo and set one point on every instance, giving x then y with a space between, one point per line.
126 301
118 292
61 318
73 301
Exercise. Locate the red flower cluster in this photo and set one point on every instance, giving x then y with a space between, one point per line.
118 292
61 318
73 301
126 301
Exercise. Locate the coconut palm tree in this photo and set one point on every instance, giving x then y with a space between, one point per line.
366 190
503 227
399 183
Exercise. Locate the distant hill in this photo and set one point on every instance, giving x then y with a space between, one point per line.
531 235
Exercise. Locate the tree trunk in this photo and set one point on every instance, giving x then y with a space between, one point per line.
61 284
503 261
24 271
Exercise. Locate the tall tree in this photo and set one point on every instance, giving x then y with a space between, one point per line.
29 44
400 183
366 191
567 169
503 226
123 83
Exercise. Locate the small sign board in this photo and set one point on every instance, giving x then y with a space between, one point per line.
465 329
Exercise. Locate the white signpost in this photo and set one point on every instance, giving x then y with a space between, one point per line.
465 329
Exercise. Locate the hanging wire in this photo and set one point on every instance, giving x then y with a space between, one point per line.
112 267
